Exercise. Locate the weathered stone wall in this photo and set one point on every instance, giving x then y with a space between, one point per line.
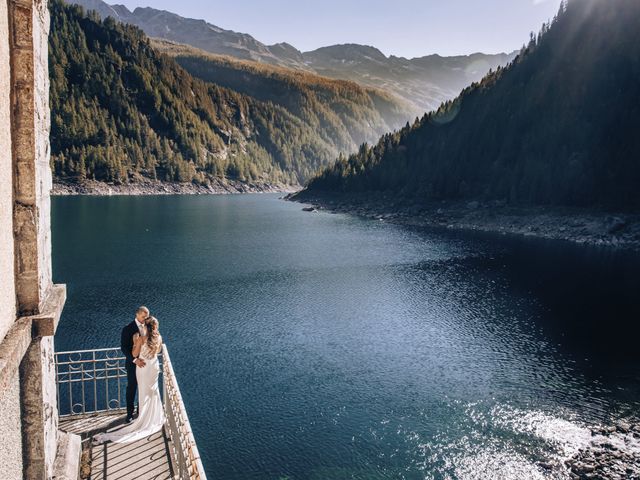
10 431
39 408
7 285
30 305
10 425
42 127
29 25
29 28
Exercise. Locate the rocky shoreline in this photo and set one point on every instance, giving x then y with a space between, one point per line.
149 187
612 454
586 226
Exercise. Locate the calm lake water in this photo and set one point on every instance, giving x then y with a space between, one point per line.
321 346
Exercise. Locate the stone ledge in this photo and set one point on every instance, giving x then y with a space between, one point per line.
67 462
46 323
12 349
18 338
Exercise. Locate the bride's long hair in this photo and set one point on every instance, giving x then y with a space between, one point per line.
153 334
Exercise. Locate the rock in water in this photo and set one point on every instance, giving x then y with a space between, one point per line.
615 224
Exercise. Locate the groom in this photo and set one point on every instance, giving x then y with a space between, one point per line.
126 345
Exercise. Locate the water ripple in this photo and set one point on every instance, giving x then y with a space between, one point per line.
330 347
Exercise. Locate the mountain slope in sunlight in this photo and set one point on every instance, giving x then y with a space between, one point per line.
122 111
343 112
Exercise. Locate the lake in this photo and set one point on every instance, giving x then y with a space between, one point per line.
324 346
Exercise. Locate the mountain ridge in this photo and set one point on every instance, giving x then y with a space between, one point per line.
414 80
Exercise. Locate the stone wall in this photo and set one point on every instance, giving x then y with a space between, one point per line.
7 288
29 30
42 128
39 409
10 425
30 305
10 431
29 24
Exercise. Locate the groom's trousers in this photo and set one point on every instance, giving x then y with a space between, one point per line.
132 387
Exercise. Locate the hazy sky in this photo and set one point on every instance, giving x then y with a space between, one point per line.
408 28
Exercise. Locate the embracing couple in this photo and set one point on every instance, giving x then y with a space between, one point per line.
140 342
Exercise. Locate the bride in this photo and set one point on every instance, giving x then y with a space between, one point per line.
151 419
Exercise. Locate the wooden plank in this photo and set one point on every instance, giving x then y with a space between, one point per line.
146 459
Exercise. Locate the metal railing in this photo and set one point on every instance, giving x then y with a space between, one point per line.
185 452
90 381
94 381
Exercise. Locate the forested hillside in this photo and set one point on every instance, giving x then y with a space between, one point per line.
558 126
342 112
122 111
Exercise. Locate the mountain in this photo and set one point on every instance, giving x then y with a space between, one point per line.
121 112
558 126
423 82
343 113
198 33
104 10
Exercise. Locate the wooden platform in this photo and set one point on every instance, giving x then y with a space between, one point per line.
146 459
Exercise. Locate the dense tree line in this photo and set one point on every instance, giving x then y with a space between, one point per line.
557 126
341 112
122 111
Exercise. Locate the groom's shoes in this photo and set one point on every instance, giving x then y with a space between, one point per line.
129 419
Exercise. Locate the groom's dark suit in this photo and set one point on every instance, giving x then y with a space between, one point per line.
126 345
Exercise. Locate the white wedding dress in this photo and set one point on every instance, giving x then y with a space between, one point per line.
150 413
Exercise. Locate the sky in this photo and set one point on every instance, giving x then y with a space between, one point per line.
407 28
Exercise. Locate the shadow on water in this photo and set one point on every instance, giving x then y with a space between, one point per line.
590 294
587 298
